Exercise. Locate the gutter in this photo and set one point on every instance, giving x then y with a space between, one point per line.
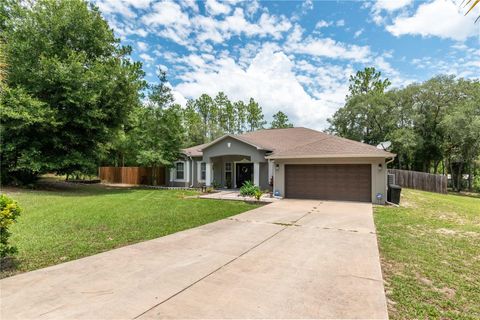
329 156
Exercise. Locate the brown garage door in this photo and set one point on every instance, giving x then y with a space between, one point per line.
350 182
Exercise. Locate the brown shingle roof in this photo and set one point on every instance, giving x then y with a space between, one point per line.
302 142
195 151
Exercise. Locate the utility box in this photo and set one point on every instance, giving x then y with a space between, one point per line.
393 194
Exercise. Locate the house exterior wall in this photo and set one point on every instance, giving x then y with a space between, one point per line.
190 171
379 174
233 147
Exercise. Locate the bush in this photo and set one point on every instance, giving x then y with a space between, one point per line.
258 194
9 211
248 189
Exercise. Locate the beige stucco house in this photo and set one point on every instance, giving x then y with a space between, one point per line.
291 162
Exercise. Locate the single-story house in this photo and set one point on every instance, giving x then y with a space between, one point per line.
291 162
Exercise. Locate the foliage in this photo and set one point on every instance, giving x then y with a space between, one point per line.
258 194
9 212
422 285
432 125
367 81
208 118
280 120
248 189
216 185
77 82
472 5
94 219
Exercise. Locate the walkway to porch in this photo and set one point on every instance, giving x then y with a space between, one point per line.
232 194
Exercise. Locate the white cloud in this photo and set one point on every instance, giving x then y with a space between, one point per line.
391 5
340 23
174 24
327 47
142 46
217 31
322 24
269 79
358 33
440 18
146 57
216 8
324 47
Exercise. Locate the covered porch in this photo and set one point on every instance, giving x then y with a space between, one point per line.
231 171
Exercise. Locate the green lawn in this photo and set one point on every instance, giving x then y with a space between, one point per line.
430 249
72 222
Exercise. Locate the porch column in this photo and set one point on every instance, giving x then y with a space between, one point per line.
256 173
208 173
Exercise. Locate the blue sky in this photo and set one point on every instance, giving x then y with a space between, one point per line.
294 56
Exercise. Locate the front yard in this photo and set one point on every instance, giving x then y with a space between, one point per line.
430 251
68 222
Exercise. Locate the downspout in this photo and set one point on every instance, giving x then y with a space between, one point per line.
387 202
191 162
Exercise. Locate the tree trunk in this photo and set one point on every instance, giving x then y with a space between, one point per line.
459 177
435 166
470 173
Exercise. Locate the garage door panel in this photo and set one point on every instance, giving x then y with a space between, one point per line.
350 182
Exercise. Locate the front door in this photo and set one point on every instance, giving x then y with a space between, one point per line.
244 172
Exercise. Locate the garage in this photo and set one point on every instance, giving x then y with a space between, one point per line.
345 182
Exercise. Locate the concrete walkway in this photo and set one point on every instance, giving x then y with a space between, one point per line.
235 195
289 259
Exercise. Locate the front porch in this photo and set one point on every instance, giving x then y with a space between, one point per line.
231 171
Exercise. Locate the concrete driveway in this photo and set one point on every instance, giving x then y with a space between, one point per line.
289 259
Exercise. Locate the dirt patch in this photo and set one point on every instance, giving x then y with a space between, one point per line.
446 231
448 292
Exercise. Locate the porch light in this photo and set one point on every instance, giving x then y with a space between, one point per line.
380 166
277 167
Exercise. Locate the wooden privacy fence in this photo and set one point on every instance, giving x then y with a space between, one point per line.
132 175
420 180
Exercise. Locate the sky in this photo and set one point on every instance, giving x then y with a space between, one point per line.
294 56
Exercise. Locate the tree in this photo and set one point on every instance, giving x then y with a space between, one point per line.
366 115
254 116
193 125
240 110
160 132
78 78
280 120
368 80
461 127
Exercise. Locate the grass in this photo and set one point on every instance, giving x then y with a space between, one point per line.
430 251
62 224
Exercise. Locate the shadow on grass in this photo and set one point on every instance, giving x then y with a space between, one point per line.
72 189
475 195
8 266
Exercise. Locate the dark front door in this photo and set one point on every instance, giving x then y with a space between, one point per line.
244 172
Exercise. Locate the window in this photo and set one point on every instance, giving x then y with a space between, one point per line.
203 171
179 171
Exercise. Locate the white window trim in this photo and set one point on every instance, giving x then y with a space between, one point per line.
185 171
199 171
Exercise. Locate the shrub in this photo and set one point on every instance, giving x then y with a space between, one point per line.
9 211
258 194
248 189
